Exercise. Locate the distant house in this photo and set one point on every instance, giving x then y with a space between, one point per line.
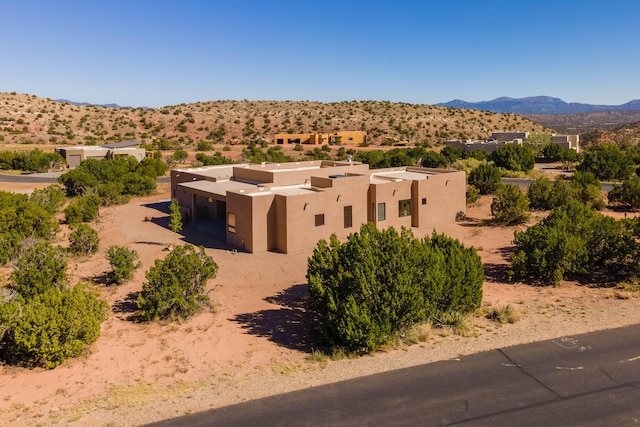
285 207
339 138
75 155
567 141
498 139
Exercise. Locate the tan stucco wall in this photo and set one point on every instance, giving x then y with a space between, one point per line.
284 218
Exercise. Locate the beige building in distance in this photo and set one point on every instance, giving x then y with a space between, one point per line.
285 207
75 155
338 138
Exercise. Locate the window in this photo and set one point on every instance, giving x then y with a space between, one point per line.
348 217
382 211
404 207
231 223
319 220
424 200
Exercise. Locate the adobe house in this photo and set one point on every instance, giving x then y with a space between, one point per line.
338 138
285 207
75 155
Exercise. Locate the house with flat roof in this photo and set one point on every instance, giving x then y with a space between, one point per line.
76 155
285 207
338 138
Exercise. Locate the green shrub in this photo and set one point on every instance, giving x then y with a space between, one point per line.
175 286
50 198
204 146
473 195
627 194
607 161
510 206
39 268
52 326
485 177
83 209
433 159
575 240
124 262
380 283
83 240
514 157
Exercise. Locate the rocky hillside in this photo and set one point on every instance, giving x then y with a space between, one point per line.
623 135
585 122
28 119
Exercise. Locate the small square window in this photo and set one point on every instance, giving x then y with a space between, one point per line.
319 220
424 200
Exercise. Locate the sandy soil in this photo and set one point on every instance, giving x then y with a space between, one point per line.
256 339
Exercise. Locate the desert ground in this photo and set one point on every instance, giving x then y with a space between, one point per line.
256 339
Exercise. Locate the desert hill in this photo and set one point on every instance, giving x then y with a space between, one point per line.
623 135
586 122
28 119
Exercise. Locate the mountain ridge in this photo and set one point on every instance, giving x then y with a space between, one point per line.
538 105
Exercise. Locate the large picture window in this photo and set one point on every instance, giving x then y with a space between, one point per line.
404 207
382 211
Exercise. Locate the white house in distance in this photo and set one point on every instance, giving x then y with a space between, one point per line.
498 139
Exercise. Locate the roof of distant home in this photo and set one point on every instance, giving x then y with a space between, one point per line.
122 144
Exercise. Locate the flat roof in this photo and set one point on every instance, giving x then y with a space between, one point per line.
219 188
404 175
122 144
217 171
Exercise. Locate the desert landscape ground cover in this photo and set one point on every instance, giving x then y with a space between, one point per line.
258 339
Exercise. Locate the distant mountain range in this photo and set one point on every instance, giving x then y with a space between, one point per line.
84 104
538 105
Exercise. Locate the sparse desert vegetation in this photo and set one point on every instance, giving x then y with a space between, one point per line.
260 335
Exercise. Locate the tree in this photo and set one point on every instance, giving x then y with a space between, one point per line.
433 159
552 151
452 153
473 195
175 286
575 240
39 268
626 194
514 157
537 141
381 282
485 177
175 216
539 194
124 262
180 155
83 209
50 198
52 326
607 162
83 240
510 206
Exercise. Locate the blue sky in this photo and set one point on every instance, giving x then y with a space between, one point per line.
156 52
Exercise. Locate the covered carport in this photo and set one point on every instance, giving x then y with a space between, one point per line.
206 200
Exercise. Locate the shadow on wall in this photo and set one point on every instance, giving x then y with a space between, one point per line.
290 325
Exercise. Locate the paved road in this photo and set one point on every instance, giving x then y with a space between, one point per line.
585 380
51 177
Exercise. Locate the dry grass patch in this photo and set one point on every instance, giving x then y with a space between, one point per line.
504 314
